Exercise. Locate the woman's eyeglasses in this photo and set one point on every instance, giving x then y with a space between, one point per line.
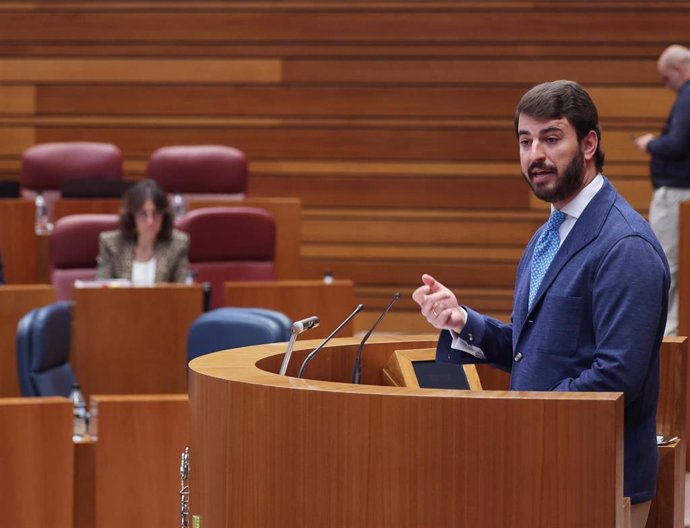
145 215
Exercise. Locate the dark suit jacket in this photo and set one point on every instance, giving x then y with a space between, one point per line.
116 255
596 325
670 162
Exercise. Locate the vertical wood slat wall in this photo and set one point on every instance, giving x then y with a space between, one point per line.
392 121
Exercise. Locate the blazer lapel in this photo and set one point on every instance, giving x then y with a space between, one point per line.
585 230
127 260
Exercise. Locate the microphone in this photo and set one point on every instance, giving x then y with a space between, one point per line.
356 372
305 324
313 353
297 328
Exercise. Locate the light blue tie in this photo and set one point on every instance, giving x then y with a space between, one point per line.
544 251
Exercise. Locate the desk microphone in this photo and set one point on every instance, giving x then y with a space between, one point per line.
297 328
356 372
313 353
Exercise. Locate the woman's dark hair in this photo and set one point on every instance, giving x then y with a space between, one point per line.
557 99
132 202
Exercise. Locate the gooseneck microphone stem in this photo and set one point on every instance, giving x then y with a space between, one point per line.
357 371
288 353
313 353
297 328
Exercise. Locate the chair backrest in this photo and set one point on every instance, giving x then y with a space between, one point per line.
225 328
46 165
44 338
200 170
230 243
74 248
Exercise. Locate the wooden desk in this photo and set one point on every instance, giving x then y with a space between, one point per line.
15 302
133 340
131 472
298 299
18 240
322 452
38 462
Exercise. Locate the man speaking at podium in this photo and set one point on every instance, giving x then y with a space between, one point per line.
591 289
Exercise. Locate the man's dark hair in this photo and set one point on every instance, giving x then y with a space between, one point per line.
557 99
133 200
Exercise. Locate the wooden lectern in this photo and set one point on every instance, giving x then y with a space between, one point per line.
270 450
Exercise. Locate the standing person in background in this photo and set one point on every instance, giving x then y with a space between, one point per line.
670 166
146 249
591 290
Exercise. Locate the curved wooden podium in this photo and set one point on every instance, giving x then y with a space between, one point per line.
278 451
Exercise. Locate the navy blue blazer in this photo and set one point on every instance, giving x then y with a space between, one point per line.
596 325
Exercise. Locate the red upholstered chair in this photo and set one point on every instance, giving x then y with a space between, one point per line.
74 248
230 243
47 165
206 171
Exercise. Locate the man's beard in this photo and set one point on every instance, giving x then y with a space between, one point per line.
567 184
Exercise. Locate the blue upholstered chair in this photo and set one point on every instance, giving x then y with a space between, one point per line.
44 337
225 328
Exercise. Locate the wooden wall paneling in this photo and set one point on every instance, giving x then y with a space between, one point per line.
15 302
350 143
346 226
9 169
376 271
412 192
492 100
38 462
17 100
348 24
139 70
278 100
481 71
489 50
15 139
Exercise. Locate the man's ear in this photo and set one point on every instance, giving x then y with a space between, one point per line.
589 145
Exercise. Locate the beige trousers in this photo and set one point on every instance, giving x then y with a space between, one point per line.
664 220
639 513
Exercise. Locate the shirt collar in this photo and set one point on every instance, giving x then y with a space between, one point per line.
575 206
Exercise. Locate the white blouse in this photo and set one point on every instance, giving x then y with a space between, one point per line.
144 273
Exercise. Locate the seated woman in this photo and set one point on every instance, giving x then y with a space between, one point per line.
146 249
